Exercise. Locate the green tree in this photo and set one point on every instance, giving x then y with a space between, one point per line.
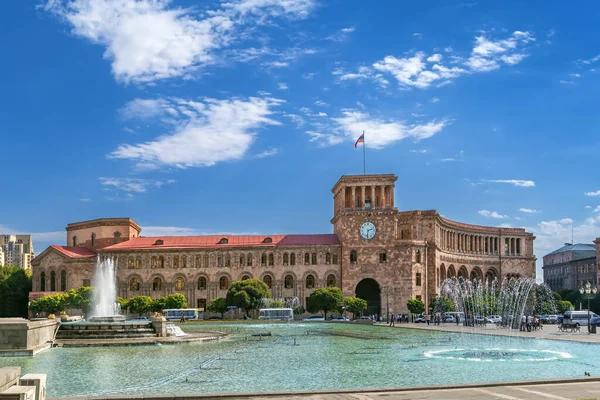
15 285
80 299
544 300
124 303
247 294
355 305
415 306
140 304
299 310
49 304
325 299
442 305
218 305
176 300
563 305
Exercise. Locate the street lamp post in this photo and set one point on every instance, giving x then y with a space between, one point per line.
588 293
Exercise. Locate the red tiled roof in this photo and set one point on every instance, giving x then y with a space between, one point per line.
174 242
74 252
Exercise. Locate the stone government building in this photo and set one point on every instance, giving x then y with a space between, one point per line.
376 252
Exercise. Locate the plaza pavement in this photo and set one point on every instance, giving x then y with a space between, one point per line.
549 331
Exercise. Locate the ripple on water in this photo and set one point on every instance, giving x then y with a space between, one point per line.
498 355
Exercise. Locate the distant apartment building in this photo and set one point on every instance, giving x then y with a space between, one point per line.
1 257
571 266
17 250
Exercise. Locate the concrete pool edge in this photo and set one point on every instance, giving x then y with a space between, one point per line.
284 394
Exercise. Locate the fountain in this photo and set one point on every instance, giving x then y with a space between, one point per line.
104 306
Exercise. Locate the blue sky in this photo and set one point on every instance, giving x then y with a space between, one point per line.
203 117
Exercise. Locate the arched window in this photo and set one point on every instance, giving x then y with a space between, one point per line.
227 261
289 282
334 258
74 241
184 261
263 259
93 239
418 257
268 280
245 277
176 262
134 285
63 280
286 258
382 257
242 260
161 262
224 241
117 237
153 262
53 281
293 259
138 263
249 259
223 283
179 284
157 284
130 263
327 258
268 240
43 282
353 257
313 259
331 281
306 258
271 259
202 283
310 282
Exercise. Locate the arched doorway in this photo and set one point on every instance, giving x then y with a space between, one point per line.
368 289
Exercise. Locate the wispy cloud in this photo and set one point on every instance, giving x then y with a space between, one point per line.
528 210
514 182
435 100
597 209
85 200
421 70
320 103
593 194
149 40
460 156
282 86
135 185
423 151
341 35
203 134
267 153
491 214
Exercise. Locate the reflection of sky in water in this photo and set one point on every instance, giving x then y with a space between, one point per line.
372 357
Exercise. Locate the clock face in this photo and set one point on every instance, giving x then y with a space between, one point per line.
367 230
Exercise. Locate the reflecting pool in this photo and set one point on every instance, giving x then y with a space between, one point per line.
299 356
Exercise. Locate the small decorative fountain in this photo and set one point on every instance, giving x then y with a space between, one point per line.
104 306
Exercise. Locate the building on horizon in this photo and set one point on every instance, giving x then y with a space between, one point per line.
17 250
571 267
1 257
375 252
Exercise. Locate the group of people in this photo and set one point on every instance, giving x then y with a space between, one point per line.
530 323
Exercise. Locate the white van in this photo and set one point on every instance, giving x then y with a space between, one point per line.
577 317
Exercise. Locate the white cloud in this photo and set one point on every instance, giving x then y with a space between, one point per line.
588 206
204 132
321 114
593 194
276 64
597 209
575 75
149 40
136 185
379 133
309 75
460 156
321 103
492 214
296 119
591 60
282 86
528 210
341 35
423 151
420 70
514 182
417 35
564 82
435 100
85 200
267 153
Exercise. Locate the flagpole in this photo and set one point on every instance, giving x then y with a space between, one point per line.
364 156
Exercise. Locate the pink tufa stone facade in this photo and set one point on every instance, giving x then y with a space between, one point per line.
399 254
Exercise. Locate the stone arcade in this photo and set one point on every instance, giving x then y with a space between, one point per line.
376 252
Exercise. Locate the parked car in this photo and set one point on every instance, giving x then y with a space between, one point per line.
314 318
552 319
480 320
495 319
339 318
420 318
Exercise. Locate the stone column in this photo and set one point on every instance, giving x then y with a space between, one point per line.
364 203
353 197
373 197
383 196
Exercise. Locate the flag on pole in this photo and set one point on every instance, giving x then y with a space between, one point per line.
361 139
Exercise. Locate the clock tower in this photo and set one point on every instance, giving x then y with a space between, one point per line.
365 221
